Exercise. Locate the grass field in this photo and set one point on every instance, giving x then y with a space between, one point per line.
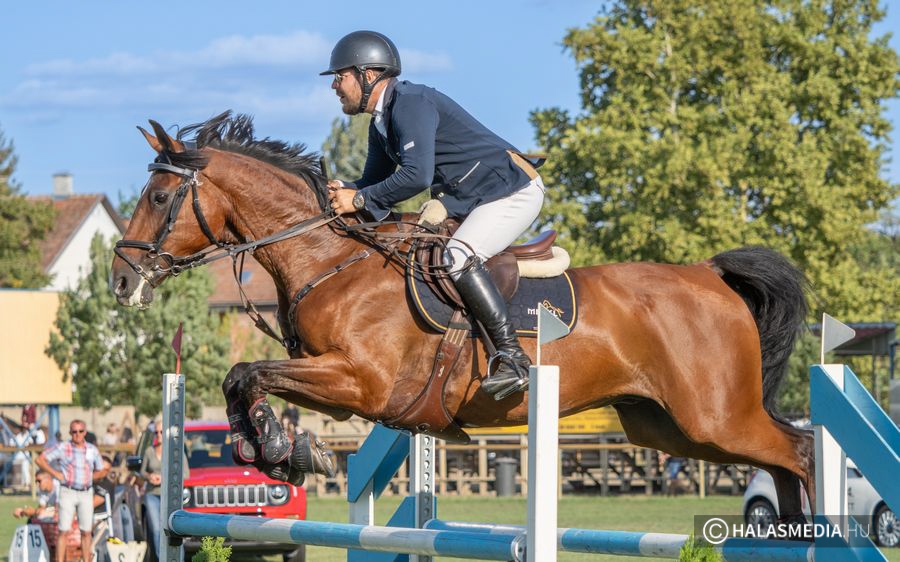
631 513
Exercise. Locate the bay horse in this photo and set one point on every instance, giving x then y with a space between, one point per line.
690 356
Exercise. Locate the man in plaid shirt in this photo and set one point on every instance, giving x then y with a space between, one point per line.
77 465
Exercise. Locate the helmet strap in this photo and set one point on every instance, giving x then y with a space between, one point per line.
367 87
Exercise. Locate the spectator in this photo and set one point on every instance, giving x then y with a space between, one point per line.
79 465
292 413
111 437
151 471
105 488
48 495
29 434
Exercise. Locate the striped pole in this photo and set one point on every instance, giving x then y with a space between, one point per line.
629 543
478 546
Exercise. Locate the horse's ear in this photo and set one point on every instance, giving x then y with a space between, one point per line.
167 142
151 140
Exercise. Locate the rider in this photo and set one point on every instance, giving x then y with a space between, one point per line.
419 137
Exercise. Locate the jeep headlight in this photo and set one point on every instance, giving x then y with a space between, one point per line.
185 496
278 494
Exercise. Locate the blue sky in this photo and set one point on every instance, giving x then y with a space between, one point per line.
78 76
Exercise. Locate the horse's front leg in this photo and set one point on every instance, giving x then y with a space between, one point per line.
324 380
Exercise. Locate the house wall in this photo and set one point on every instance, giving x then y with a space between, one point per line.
75 261
27 375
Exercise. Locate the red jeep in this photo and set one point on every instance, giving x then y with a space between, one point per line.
217 485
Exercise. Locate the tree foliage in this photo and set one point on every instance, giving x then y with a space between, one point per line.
117 355
708 125
23 224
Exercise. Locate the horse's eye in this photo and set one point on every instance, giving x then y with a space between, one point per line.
160 197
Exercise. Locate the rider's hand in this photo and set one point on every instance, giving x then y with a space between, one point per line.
155 479
341 199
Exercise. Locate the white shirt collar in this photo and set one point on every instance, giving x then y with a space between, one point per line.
378 114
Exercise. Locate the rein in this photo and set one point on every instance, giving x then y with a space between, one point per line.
387 242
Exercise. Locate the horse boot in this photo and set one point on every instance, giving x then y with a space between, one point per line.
487 305
274 445
242 450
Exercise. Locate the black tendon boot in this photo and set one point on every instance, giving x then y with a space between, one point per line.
486 304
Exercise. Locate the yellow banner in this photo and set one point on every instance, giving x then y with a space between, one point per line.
600 420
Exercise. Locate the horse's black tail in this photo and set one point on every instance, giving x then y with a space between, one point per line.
775 292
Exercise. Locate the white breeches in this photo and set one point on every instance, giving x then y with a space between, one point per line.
492 227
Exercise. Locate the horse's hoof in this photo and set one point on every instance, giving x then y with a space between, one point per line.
274 445
280 472
296 477
311 456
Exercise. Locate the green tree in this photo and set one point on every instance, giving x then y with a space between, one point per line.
23 224
707 125
345 152
346 147
117 355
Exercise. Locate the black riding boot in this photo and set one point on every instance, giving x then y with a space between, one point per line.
480 294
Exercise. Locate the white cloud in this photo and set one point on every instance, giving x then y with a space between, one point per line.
270 76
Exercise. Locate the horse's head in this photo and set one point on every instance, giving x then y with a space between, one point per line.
173 222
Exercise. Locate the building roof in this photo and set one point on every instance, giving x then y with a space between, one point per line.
258 285
71 212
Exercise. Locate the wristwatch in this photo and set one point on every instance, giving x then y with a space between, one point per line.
359 201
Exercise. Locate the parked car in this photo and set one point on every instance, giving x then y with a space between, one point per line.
864 503
218 485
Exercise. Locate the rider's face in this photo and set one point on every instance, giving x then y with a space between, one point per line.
347 88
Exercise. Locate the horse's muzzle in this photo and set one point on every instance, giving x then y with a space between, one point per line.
130 288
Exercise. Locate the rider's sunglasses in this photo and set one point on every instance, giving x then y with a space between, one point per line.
339 77
75 431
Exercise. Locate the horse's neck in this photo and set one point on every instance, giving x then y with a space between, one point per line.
271 202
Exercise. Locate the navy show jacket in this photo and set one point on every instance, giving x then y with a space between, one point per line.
433 142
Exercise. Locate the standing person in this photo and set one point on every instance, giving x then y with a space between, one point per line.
79 465
420 138
111 437
151 472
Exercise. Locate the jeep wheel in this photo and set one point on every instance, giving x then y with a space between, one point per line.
298 555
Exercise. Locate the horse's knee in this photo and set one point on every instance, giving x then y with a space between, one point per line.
234 377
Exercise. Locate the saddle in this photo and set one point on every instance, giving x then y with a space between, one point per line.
428 412
504 267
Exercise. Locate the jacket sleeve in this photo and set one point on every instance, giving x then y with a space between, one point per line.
378 164
414 121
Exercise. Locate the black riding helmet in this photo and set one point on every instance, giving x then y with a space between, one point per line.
362 50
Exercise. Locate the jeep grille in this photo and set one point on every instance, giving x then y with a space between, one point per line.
230 496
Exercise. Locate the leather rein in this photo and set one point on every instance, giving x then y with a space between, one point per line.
174 265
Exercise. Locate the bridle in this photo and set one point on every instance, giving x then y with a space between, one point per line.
174 265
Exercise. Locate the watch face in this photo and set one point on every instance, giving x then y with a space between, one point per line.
359 201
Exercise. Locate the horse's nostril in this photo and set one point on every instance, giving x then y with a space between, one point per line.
121 286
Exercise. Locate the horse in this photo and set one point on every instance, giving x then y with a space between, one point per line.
690 356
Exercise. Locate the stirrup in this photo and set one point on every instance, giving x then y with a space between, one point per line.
507 358
517 383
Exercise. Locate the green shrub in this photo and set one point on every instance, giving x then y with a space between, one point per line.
696 550
212 549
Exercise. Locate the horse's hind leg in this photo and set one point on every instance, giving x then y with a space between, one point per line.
785 452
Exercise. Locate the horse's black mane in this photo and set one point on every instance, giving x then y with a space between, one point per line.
234 133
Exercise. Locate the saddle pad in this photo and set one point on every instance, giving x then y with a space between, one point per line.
556 293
